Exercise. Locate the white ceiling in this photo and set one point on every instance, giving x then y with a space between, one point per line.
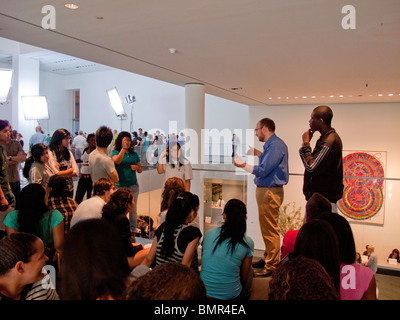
256 52
55 62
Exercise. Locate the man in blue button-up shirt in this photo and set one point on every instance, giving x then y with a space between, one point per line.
271 174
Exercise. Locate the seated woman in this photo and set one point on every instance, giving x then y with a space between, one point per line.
59 199
227 255
115 211
94 264
21 262
301 278
37 169
172 188
175 240
168 281
317 240
33 216
394 255
357 282
372 262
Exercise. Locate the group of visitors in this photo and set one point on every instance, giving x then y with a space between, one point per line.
46 209
91 242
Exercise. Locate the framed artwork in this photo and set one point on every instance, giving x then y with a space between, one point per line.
364 186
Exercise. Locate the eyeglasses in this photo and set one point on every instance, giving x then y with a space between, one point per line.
256 129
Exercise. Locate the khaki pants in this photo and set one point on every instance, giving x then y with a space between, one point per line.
269 201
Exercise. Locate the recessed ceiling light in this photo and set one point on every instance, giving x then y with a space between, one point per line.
172 50
380 95
71 6
331 96
390 94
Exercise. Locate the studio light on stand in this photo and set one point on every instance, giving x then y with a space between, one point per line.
116 103
130 100
35 107
6 76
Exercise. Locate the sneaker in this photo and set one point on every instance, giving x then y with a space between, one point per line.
263 273
259 264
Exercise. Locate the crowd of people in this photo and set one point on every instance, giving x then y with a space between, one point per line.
90 240
45 218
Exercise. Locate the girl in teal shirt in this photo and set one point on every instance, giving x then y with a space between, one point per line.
32 216
127 163
227 255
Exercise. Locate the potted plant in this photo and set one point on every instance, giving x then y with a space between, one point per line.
290 218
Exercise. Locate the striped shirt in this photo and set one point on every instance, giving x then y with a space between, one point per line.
40 290
183 235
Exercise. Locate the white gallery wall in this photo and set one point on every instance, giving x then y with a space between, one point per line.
157 102
59 101
362 127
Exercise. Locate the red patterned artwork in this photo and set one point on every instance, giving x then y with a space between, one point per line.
363 196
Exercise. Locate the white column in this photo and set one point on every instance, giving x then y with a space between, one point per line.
194 120
25 83
194 123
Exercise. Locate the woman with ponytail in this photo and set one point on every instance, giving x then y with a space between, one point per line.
227 256
37 169
172 188
175 240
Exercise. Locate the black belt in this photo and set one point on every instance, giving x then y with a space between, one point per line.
269 187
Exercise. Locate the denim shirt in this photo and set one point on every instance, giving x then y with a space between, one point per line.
273 168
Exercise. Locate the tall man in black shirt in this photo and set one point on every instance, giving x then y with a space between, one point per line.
324 165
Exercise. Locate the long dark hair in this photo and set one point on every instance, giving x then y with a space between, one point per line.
317 240
120 137
94 263
180 159
341 226
234 227
55 145
31 208
36 152
177 213
118 204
